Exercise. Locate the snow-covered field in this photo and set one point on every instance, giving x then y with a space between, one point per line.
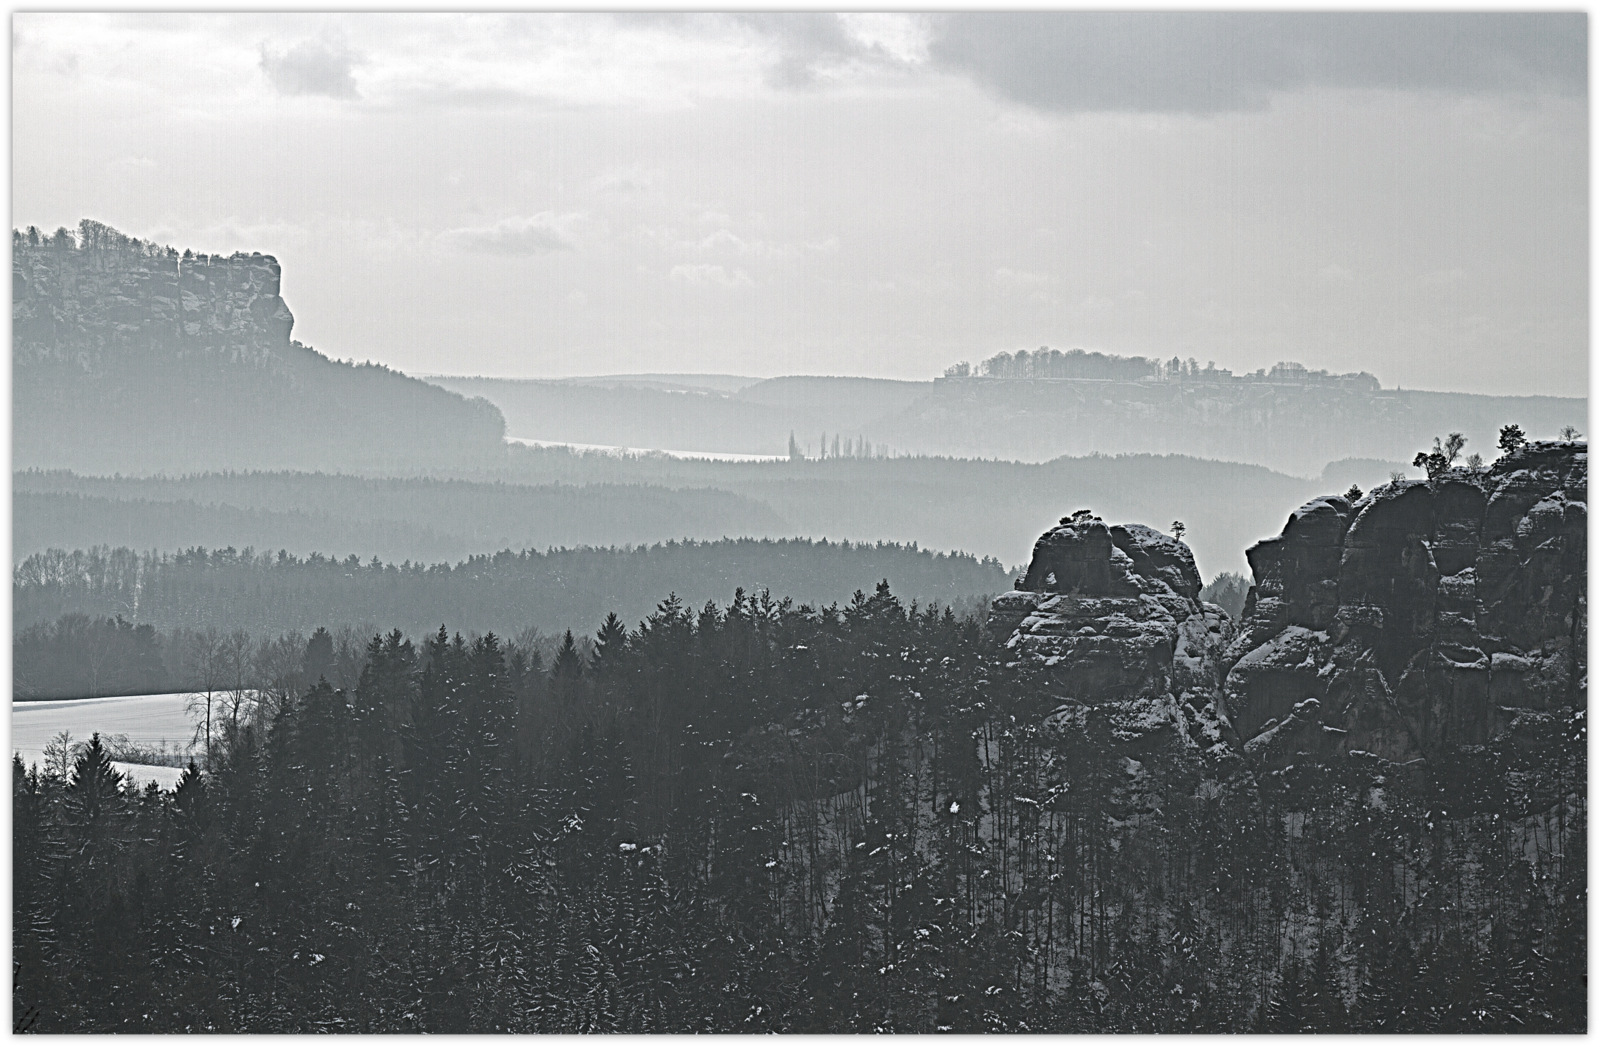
147 720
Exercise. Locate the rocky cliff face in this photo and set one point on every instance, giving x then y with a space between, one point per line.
131 357
1425 619
96 308
1113 614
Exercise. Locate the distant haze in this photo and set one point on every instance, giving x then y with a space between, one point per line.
878 195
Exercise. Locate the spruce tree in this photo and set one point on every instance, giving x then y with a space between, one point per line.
568 664
610 644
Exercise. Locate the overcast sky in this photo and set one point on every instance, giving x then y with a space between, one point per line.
535 195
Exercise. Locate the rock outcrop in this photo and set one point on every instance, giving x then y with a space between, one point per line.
86 305
1425 619
1114 614
1428 616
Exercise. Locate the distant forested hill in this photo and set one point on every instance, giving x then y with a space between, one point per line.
754 419
392 518
507 592
1290 419
543 498
129 357
993 508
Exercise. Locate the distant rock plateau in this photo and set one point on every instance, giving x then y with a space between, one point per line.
130 357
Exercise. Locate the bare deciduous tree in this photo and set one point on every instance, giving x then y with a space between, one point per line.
205 663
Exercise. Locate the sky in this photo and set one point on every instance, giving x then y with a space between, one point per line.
880 195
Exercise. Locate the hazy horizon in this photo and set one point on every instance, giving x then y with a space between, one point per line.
865 195
662 375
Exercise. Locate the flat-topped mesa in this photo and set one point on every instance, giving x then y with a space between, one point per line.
109 306
1427 618
1113 612
132 357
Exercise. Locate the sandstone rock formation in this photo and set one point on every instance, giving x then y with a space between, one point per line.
131 357
1426 617
1424 620
88 304
1114 614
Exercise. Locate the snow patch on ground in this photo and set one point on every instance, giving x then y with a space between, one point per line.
147 720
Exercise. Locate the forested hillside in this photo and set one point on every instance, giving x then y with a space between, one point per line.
1108 807
766 818
753 419
393 519
117 622
554 497
1030 407
130 357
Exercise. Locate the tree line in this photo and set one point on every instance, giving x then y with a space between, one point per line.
113 621
1078 364
763 816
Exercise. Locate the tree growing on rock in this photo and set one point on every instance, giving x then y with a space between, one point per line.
1442 457
1512 438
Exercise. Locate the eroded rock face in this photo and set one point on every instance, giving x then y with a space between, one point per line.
135 358
82 305
1114 613
1425 617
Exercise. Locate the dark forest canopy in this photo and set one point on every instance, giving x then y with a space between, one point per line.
760 817
113 621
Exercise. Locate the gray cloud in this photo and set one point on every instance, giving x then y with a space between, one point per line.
810 42
804 39
540 234
1202 62
312 67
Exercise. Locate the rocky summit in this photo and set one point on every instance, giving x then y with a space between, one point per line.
128 297
1427 617
1112 613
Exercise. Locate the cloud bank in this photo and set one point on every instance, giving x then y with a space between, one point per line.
1210 62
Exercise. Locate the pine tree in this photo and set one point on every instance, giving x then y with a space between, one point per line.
318 660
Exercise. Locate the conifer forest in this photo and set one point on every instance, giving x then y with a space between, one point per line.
759 817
